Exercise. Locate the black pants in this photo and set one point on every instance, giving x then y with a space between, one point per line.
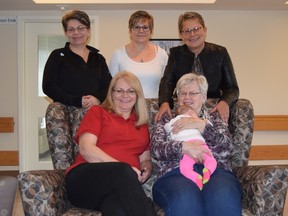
112 188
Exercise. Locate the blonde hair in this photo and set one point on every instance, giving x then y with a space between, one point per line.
140 106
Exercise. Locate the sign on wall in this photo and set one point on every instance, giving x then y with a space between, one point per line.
8 20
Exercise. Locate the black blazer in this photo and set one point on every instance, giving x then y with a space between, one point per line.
217 68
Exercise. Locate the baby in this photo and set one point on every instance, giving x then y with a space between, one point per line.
187 163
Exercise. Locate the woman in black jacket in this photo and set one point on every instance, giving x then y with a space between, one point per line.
76 75
203 58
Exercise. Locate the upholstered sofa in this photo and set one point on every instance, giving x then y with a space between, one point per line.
43 191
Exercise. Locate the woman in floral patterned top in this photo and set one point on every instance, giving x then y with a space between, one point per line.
173 192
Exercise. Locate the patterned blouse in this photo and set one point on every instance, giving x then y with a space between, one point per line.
168 152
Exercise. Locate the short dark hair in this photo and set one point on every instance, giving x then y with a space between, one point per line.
81 16
138 15
187 16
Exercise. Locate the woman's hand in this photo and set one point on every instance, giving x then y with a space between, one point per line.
188 123
146 166
195 150
89 101
142 174
164 108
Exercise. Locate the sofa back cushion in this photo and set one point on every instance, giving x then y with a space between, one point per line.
62 123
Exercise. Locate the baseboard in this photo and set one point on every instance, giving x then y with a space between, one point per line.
9 173
9 158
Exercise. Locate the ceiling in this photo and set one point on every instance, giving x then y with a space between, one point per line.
219 5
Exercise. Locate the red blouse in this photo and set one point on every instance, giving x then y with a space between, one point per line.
117 137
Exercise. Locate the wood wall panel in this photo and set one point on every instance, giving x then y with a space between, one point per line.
6 124
271 123
269 152
9 158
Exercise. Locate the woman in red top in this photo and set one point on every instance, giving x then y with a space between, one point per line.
114 153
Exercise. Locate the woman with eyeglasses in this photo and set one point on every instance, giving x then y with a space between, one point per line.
141 57
114 153
200 57
76 75
176 193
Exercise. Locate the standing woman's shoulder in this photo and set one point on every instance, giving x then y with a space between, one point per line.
96 52
93 49
179 49
57 56
59 52
162 53
214 47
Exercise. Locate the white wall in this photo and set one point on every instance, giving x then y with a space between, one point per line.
256 41
8 83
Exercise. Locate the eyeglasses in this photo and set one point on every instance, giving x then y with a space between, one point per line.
121 92
190 94
188 31
144 28
79 29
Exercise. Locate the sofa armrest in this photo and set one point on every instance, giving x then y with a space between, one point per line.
43 191
264 188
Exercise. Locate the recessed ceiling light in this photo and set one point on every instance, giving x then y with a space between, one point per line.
122 1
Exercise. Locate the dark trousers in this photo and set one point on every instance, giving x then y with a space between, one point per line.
112 188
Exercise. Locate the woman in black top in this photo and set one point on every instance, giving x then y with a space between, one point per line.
76 75
203 58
